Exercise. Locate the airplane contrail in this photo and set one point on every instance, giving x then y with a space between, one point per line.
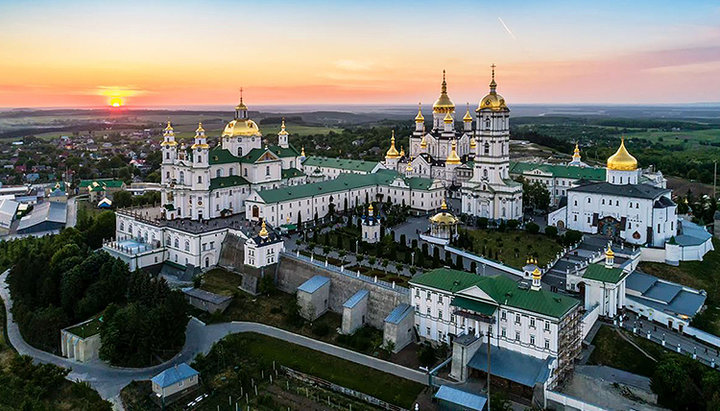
507 28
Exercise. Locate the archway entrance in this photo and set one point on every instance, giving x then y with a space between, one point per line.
560 225
255 211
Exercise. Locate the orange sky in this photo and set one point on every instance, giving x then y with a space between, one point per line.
195 53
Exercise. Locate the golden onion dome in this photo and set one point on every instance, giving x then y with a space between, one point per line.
622 160
241 127
402 151
419 118
169 126
392 152
302 152
423 142
263 230
409 167
576 152
492 101
467 117
536 273
283 132
609 252
473 144
453 158
370 208
448 118
200 128
443 104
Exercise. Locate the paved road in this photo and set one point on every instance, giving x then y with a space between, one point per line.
199 338
71 212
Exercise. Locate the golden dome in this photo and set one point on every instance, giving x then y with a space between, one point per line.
392 152
409 167
448 118
492 100
419 118
241 127
200 128
402 151
536 273
283 132
609 252
453 158
443 217
302 152
576 152
443 104
473 144
169 126
423 142
467 117
241 106
263 230
622 160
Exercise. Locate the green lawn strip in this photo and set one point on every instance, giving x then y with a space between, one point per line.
513 247
88 329
386 387
613 351
220 281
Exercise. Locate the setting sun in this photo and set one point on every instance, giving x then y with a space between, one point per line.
116 101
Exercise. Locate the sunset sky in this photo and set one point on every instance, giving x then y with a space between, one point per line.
156 53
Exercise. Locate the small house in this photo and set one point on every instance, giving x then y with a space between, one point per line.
176 379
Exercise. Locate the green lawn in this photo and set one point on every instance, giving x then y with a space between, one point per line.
513 247
689 138
703 275
381 385
88 329
613 351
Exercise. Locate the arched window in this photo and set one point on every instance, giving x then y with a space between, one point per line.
487 148
239 151
122 226
177 243
167 174
182 177
219 172
487 123
485 174
187 245
232 171
167 155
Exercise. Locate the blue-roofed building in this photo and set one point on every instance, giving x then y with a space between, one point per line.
452 399
691 243
398 326
355 311
662 301
176 379
520 371
313 296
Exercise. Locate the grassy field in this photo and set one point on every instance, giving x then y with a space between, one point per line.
514 247
264 350
703 275
689 138
613 351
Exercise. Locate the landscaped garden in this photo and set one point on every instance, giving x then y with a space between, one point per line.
511 247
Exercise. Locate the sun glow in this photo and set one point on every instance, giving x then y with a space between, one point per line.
116 101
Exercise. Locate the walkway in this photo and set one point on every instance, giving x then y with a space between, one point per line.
199 338
658 333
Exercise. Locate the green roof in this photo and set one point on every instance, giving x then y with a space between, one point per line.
419 183
291 173
477 306
599 272
344 182
341 163
560 170
501 289
104 182
87 329
229 181
220 155
290 151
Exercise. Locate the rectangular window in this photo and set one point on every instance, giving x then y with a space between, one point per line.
503 315
532 340
428 312
547 325
532 322
517 336
547 344
503 332
440 314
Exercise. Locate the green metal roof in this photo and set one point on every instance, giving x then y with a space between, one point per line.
344 182
341 163
220 155
477 306
599 272
291 173
229 181
104 182
561 171
501 289
290 151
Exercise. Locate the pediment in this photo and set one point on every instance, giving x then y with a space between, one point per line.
267 156
476 293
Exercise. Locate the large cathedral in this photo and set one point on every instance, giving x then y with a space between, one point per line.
473 161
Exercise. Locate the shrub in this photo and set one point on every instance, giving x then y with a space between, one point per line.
482 222
551 231
532 228
320 329
513 224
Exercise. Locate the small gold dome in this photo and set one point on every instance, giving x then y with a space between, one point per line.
169 126
402 151
443 217
302 152
467 117
200 128
453 158
622 160
473 144
423 142
536 273
392 152
609 252
263 230
492 101
240 127
409 167
443 104
283 132
419 118
448 118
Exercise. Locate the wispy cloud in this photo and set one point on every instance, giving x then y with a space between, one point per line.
507 28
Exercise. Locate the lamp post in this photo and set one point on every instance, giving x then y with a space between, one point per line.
357 244
412 258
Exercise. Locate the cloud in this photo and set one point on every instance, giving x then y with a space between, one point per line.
118 91
353 65
507 29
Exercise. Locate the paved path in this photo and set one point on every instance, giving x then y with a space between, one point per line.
658 333
199 338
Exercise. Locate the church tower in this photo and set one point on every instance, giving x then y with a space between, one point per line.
283 136
392 156
443 106
169 155
622 167
492 134
200 148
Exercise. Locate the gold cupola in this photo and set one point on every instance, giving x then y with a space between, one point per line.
448 118
622 160
576 152
168 136
402 151
263 230
283 132
443 104
473 144
409 167
302 152
492 101
392 152
423 142
241 126
453 158
419 118
169 126
444 217
468 116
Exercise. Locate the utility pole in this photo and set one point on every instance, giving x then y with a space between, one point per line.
714 178
488 368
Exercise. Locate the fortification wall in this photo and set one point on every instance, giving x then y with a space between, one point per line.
293 271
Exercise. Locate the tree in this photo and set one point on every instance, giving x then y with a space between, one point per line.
266 285
551 231
122 199
532 228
